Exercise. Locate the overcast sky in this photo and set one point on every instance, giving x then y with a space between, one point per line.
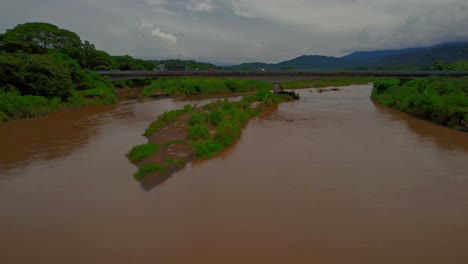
235 31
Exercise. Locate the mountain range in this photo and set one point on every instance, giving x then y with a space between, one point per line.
420 56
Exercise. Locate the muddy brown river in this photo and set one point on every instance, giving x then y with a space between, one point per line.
331 178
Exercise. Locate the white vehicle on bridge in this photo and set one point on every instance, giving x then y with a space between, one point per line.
161 68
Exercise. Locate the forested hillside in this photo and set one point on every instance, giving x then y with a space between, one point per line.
454 54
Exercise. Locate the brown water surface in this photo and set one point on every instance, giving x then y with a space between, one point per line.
331 178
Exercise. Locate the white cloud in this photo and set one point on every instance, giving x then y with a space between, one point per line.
201 6
164 36
145 24
241 10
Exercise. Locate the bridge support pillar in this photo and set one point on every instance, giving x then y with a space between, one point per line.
277 88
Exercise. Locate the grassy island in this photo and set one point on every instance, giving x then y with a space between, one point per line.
179 136
441 100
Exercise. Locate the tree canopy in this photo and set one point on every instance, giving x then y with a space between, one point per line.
41 38
41 59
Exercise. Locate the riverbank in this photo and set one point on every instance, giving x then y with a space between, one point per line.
328 82
202 85
13 105
179 136
441 100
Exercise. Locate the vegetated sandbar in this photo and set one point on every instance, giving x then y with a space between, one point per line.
179 136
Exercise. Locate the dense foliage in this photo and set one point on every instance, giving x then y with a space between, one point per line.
442 100
44 68
127 63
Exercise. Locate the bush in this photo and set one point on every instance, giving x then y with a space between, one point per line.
227 132
382 85
198 118
215 117
198 132
142 151
207 149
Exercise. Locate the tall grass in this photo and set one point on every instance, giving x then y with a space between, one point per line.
198 132
142 151
147 169
326 82
15 106
207 149
164 119
195 86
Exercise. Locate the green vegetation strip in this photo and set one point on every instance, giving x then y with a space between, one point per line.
441 100
142 151
327 82
147 169
195 86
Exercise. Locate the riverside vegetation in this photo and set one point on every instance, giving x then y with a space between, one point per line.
178 136
327 82
441 100
195 86
44 69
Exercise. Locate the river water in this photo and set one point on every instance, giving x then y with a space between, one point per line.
331 178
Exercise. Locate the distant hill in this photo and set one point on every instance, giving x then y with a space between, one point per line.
312 62
190 64
448 52
365 58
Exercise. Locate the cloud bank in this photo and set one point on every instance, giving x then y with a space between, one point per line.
235 31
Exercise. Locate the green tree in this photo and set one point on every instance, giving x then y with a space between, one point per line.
45 76
10 66
40 38
37 38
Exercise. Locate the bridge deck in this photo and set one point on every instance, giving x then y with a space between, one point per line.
276 76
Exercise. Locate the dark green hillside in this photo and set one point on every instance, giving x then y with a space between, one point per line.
411 58
313 62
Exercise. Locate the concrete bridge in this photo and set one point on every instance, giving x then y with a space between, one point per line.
274 76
